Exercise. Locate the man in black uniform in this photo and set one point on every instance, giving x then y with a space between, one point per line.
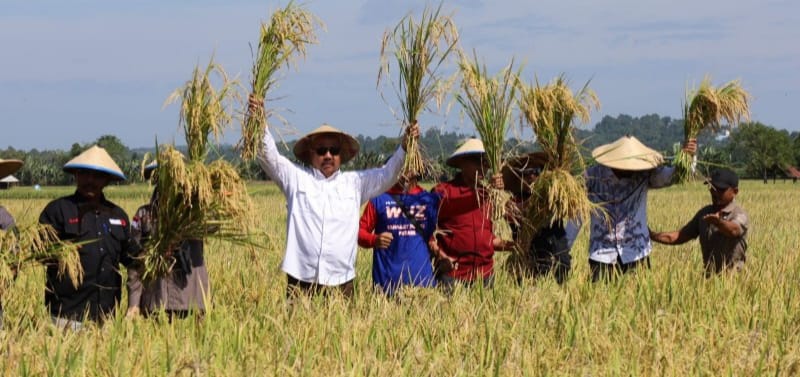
86 216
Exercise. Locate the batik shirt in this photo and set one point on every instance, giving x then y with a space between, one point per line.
624 233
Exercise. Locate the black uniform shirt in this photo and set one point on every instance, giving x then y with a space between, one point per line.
107 228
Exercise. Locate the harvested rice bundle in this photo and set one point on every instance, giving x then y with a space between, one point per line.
289 31
194 200
488 102
420 49
34 245
705 108
558 195
203 109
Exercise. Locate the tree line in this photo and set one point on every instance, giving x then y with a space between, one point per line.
754 150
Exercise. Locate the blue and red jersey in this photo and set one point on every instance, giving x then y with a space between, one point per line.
407 260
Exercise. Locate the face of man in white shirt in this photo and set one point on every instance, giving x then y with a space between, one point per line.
326 154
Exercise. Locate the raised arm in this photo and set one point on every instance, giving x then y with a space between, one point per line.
375 181
279 168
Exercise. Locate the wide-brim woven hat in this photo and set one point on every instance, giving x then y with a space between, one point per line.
627 153
513 168
149 169
8 167
97 159
470 148
349 144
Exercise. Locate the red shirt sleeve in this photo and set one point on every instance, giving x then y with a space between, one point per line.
366 227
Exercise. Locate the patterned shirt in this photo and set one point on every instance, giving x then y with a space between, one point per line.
623 234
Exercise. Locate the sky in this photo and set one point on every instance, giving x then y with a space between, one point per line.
73 71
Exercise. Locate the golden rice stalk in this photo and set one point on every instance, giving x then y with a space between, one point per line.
420 49
289 31
488 102
204 108
194 201
34 245
551 111
706 108
559 193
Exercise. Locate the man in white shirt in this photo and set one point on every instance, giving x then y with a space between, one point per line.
323 205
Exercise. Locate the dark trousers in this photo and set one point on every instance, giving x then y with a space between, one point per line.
296 287
607 272
558 264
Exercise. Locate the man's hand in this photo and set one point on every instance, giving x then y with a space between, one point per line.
497 182
713 218
445 264
254 103
412 133
690 146
384 240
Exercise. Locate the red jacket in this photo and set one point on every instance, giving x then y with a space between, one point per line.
465 217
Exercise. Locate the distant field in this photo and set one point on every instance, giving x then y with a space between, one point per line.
666 321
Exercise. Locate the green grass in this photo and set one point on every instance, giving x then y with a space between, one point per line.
666 321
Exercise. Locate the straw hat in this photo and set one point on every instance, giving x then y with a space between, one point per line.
627 153
512 171
302 149
8 167
149 168
471 147
97 159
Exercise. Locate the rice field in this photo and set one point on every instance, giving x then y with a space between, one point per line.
669 321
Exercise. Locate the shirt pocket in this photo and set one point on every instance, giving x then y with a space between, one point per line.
345 205
309 203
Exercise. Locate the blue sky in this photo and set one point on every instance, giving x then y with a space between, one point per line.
72 71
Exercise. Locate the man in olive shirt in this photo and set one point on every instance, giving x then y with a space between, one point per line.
721 227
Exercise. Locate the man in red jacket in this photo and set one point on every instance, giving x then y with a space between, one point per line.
465 246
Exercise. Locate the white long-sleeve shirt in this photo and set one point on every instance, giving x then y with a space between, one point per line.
323 213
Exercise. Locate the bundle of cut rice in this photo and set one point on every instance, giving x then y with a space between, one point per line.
34 245
705 108
289 31
488 102
420 49
558 195
195 200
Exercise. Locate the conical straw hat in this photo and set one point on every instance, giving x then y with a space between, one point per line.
8 167
97 159
149 168
302 149
470 147
627 153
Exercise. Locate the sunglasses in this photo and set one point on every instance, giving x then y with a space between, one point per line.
321 151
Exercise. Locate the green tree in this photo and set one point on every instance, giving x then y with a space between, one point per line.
760 149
